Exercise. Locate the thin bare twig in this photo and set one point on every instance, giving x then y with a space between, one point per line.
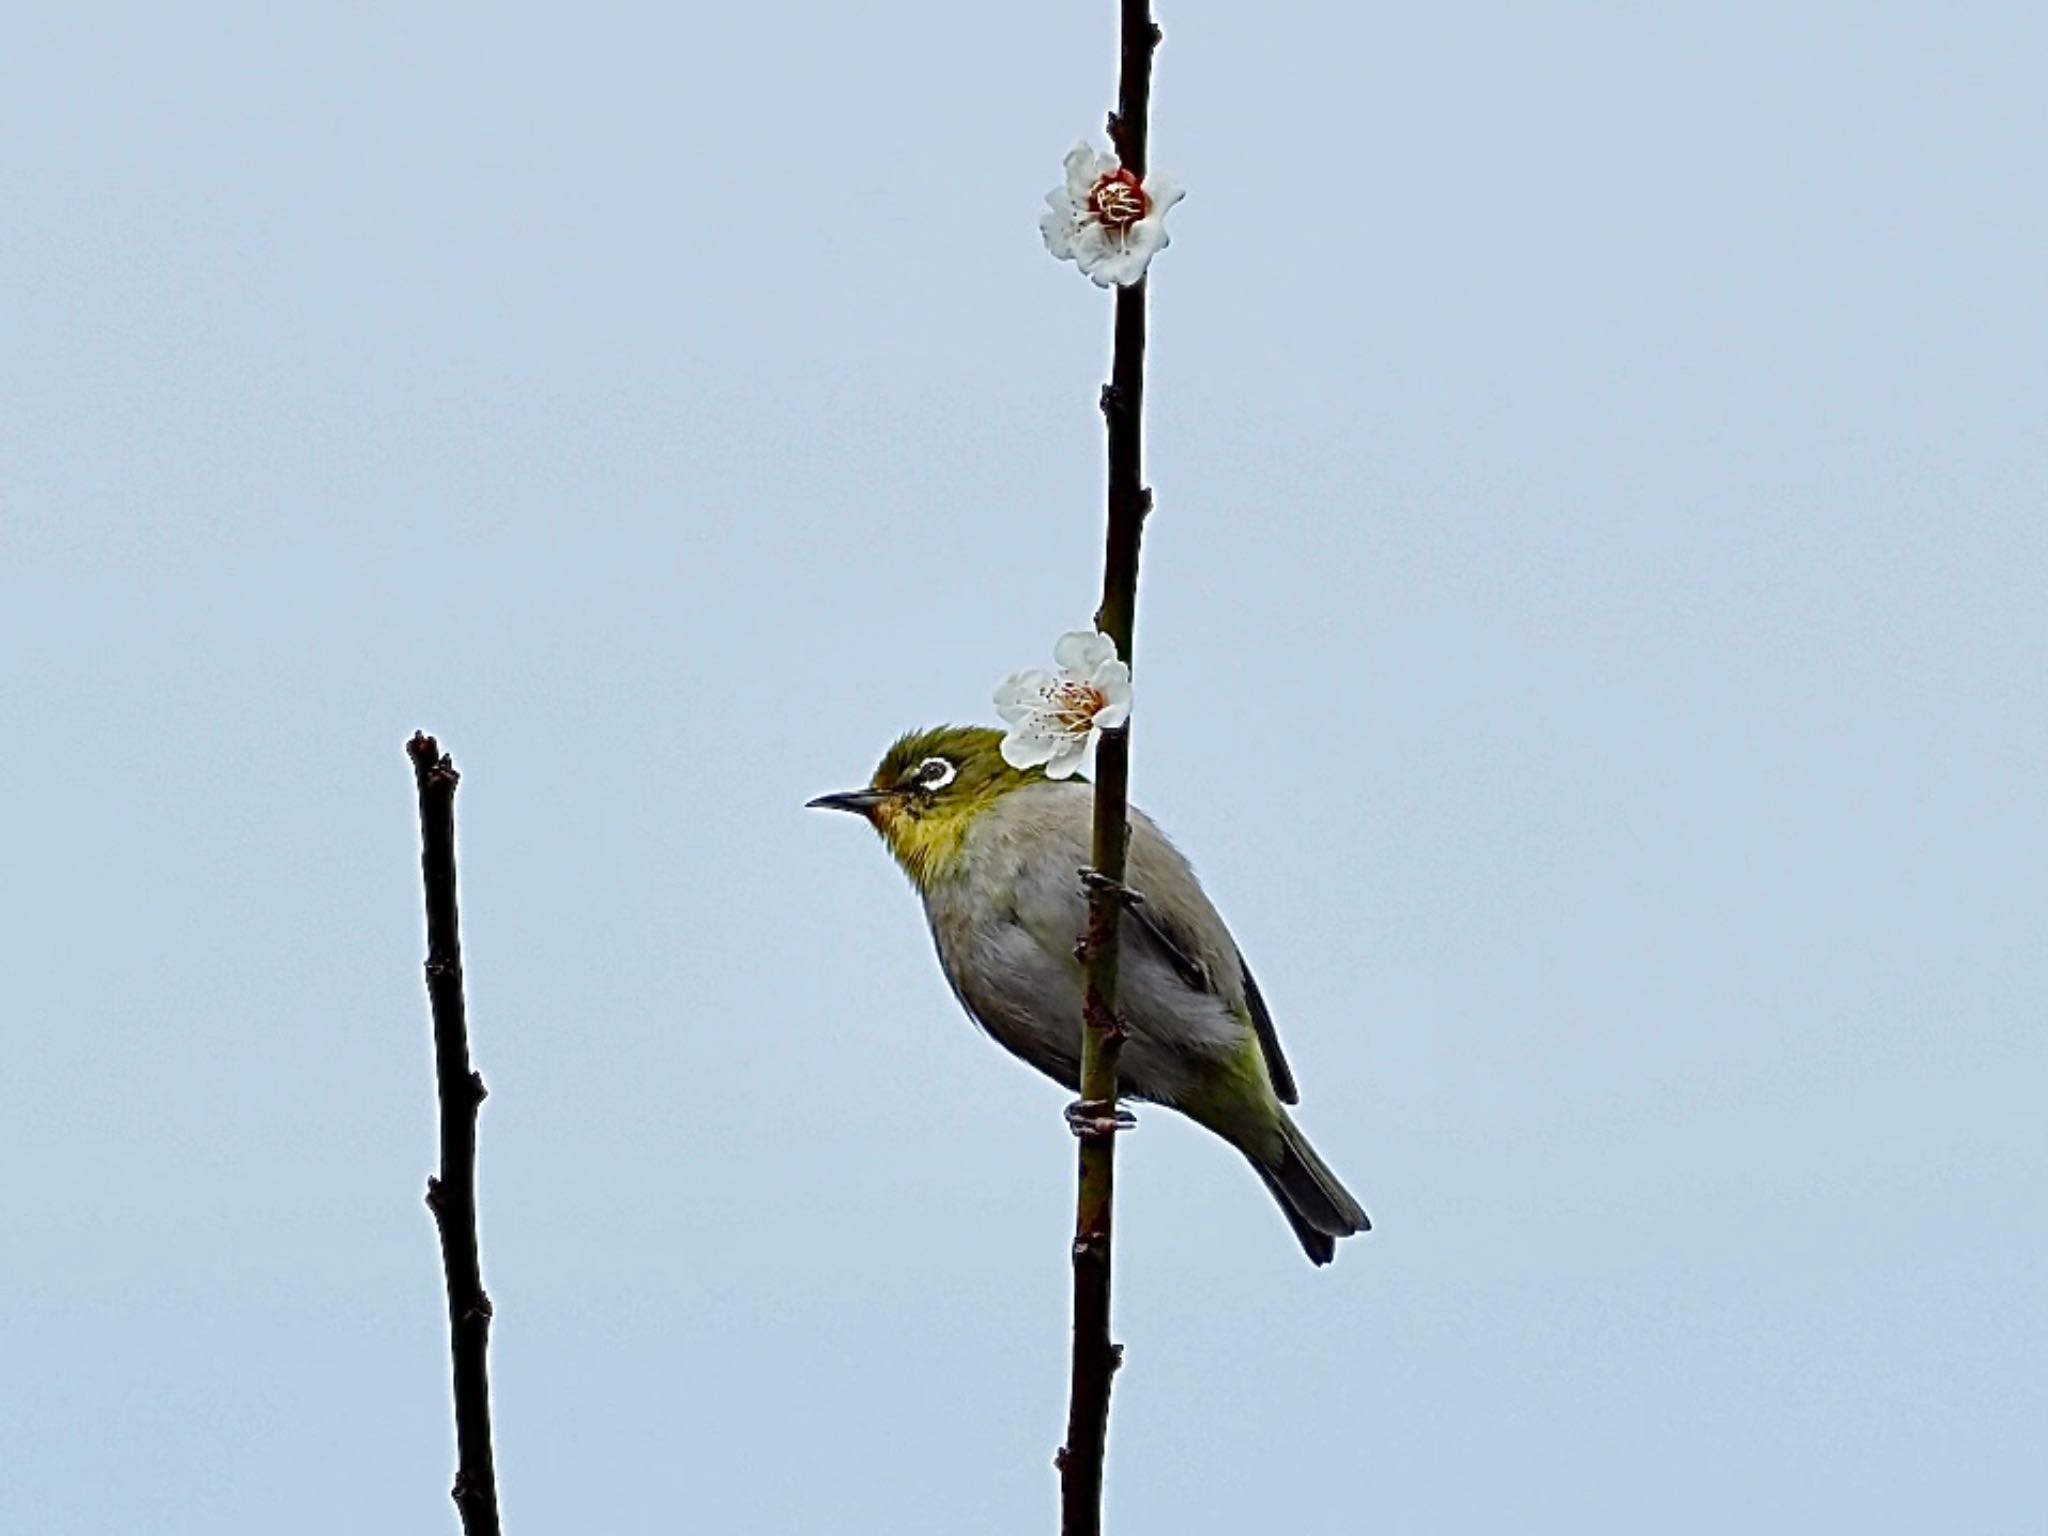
1123 399
452 1194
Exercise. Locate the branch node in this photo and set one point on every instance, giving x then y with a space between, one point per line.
476 1084
436 1196
1108 1024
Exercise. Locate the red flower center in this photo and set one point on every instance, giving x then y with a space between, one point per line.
1118 201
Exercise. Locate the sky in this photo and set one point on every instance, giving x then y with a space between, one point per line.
1590 642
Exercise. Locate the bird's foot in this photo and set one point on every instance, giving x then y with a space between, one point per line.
1097 1119
1096 880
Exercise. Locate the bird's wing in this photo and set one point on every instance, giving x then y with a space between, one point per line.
1269 1039
1175 916
1147 927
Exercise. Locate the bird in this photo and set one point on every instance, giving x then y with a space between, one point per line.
998 854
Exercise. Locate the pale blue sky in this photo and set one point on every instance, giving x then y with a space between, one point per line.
1591 642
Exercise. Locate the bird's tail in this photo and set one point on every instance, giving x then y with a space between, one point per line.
1317 1206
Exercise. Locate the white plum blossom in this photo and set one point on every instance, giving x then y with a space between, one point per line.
1053 719
1104 220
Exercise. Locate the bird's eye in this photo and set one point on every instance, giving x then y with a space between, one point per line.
934 773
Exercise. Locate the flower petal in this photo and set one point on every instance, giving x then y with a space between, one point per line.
1056 225
1162 192
1023 693
1090 241
1122 266
1147 238
1082 169
1064 764
1110 674
1113 681
1081 651
1028 749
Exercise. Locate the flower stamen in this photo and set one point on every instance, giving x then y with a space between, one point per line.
1118 202
1075 706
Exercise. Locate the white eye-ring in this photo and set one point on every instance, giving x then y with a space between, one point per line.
935 773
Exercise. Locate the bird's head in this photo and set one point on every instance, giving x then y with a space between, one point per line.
927 791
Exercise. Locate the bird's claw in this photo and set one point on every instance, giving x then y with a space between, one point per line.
1095 1119
1096 880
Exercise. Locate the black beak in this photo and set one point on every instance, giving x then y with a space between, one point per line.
858 801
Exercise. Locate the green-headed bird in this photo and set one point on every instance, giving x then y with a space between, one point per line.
997 854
